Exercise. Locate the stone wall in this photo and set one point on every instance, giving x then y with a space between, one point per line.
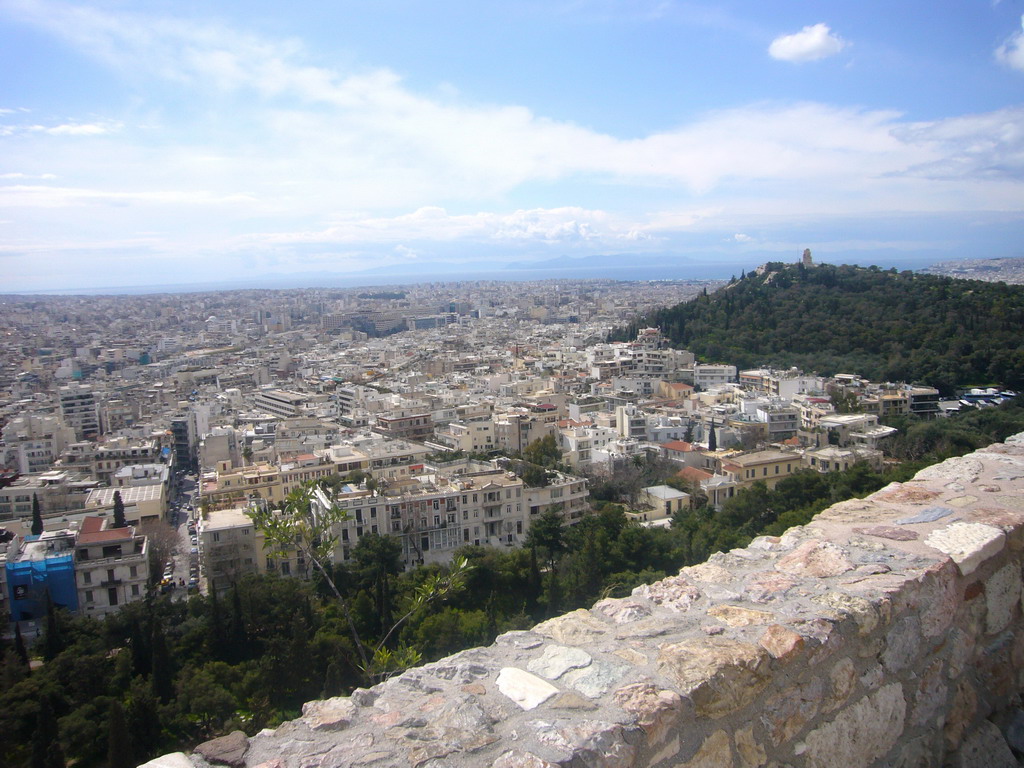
887 632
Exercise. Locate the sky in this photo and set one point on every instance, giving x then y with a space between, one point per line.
166 142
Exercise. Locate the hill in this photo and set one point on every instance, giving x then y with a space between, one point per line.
886 325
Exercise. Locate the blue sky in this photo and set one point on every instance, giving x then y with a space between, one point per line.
167 142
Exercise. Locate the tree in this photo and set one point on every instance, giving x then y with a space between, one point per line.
163 543
37 516
46 751
547 533
314 532
119 746
543 451
119 521
53 637
19 647
712 438
378 558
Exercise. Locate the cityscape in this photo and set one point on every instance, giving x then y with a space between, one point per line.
582 384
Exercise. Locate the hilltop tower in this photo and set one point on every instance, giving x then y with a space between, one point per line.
807 258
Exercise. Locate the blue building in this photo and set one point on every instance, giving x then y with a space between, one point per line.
44 565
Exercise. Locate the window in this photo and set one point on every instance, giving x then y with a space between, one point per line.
216 535
88 595
134 571
135 590
87 577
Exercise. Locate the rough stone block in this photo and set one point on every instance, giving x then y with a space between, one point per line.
782 643
815 559
718 674
786 714
328 714
984 747
715 752
577 628
842 680
858 608
658 711
737 616
675 593
1002 596
751 753
959 714
226 750
557 660
902 644
968 544
861 733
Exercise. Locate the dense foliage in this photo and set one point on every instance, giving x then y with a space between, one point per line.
885 325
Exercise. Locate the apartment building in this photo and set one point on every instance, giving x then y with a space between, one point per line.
229 546
767 466
111 566
79 406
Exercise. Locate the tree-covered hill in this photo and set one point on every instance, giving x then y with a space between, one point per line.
885 325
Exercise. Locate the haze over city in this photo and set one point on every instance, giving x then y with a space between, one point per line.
158 144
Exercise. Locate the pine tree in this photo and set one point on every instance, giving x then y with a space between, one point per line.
119 746
119 521
37 516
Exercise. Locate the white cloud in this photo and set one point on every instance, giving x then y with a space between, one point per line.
349 161
433 224
739 237
78 129
1011 53
809 44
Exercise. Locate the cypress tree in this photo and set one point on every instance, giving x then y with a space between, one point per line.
53 640
119 746
46 751
19 647
37 516
119 521
712 439
161 679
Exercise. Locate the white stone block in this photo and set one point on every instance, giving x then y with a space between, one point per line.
968 544
526 690
173 760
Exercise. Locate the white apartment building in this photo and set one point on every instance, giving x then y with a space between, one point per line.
111 566
80 408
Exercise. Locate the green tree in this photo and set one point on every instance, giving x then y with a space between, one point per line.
20 649
377 559
53 634
46 748
119 746
543 451
316 535
37 517
119 521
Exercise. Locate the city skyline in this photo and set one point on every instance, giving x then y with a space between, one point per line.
186 144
